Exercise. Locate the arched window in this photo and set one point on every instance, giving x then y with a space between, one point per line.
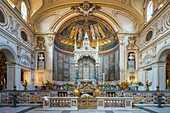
24 11
150 10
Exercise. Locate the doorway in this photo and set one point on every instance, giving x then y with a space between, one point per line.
25 75
168 68
86 68
3 69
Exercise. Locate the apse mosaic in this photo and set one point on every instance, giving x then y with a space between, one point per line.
96 29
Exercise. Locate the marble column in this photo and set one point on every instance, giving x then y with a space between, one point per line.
36 60
122 57
13 75
32 77
155 76
159 75
162 76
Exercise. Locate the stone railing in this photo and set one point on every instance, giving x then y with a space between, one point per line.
35 97
60 103
109 103
22 97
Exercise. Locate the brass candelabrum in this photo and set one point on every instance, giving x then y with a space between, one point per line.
49 85
168 84
148 84
123 85
3 84
24 84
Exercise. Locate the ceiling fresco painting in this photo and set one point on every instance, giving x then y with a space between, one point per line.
96 29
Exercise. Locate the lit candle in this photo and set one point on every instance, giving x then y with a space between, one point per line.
167 81
4 81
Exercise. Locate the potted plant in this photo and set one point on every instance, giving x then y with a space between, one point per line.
67 87
140 86
106 87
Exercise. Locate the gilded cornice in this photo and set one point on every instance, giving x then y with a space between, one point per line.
155 17
47 9
17 16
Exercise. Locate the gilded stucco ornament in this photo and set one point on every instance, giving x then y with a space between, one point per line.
86 8
40 44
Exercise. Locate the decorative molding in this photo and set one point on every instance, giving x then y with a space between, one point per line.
40 44
86 8
131 44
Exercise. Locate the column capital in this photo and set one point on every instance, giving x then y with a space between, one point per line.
121 37
10 63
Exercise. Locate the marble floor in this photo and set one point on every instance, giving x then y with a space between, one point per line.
35 109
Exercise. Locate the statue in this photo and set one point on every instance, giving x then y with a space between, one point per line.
86 8
131 57
131 61
40 44
41 57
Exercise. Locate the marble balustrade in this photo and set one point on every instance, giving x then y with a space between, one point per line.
35 97
60 103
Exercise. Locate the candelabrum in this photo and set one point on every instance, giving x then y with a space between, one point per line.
168 84
3 84
123 85
24 84
148 84
49 85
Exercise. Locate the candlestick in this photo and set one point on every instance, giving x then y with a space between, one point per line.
4 81
167 81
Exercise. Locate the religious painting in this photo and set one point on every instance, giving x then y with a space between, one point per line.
96 29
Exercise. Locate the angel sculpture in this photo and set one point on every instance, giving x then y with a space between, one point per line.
86 8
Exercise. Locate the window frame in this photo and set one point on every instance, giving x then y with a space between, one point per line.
149 10
23 10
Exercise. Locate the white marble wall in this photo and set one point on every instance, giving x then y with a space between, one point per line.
152 57
18 52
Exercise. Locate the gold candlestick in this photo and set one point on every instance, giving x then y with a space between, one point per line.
168 84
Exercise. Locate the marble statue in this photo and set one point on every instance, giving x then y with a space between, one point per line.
41 57
131 57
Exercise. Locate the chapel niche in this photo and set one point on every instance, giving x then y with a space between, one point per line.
168 68
131 61
40 53
3 68
2 18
